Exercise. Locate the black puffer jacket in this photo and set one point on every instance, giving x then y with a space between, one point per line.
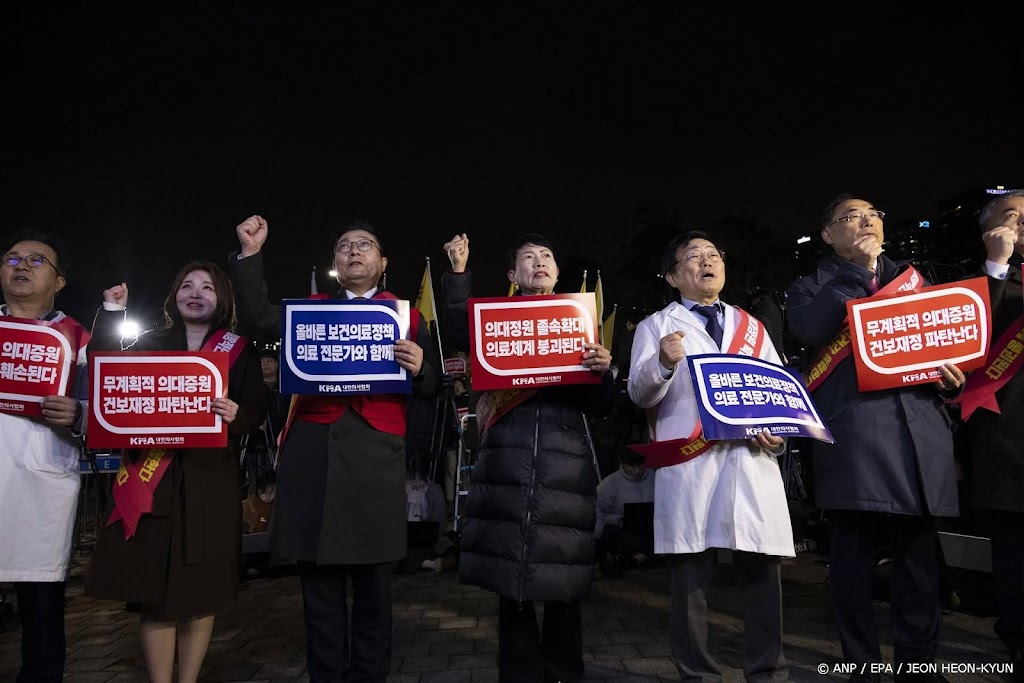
528 524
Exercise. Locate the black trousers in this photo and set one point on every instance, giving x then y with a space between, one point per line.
41 608
332 652
1006 532
915 609
529 654
619 541
690 576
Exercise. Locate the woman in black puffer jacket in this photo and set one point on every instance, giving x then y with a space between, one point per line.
528 523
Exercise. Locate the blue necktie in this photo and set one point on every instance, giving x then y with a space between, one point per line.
713 327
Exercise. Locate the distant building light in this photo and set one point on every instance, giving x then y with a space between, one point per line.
998 189
803 240
924 224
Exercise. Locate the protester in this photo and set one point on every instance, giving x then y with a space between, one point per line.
890 472
997 459
527 527
39 480
731 495
631 483
258 508
340 507
180 561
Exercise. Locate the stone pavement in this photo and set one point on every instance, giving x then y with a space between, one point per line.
447 632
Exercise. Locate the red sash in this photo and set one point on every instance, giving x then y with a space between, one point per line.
325 409
750 336
492 405
836 351
1004 361
137 481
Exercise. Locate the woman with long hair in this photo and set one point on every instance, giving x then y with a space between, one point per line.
182 561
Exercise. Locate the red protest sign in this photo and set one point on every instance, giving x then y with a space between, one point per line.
156 399
531 341
35 361
902 340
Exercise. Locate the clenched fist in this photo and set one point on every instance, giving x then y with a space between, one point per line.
672 350
118 294
252 234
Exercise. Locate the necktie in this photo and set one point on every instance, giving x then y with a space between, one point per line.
713 327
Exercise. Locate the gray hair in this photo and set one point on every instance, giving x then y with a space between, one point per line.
989 210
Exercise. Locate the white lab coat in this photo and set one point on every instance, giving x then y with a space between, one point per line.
39 484
732 495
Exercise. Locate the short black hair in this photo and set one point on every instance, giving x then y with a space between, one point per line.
826 216
627 456
355 224
52 241
668 257
265 479
522 241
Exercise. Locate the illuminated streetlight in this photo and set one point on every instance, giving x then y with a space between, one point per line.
332 273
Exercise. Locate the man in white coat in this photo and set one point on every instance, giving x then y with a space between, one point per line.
730 495
39 478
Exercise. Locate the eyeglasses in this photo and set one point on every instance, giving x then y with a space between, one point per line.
711 255
11 260
851 217
361 245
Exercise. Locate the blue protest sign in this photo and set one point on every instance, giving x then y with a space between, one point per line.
739 396
337 347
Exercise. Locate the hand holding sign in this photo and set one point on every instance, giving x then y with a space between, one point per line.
225 407
118 294
672 350
409 355
597 358
61 411
252 235
766 440
952 377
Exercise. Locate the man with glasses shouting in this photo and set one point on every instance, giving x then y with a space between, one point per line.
710 494
340 506
890 472
39 478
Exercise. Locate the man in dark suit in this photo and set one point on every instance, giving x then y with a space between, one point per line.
997 472
890 472
340 505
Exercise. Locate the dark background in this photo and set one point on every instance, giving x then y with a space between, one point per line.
144 134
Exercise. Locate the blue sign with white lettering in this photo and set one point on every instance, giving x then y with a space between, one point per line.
740 396
338 347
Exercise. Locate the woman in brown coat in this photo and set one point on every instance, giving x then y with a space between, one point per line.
182 562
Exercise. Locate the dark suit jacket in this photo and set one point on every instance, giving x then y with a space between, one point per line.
894 448
997 453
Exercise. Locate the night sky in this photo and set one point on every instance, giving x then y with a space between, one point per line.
144 135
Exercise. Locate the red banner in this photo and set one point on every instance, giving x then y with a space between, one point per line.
531 341
36 360
902 340
156 399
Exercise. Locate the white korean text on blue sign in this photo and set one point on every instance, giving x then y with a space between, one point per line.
338 347
738 396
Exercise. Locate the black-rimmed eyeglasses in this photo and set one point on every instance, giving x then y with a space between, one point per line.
361 245
11 260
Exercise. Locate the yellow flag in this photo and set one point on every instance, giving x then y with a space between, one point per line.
425 299
599 295
511 289
608 329
583 288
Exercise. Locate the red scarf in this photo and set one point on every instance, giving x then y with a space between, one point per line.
137 481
